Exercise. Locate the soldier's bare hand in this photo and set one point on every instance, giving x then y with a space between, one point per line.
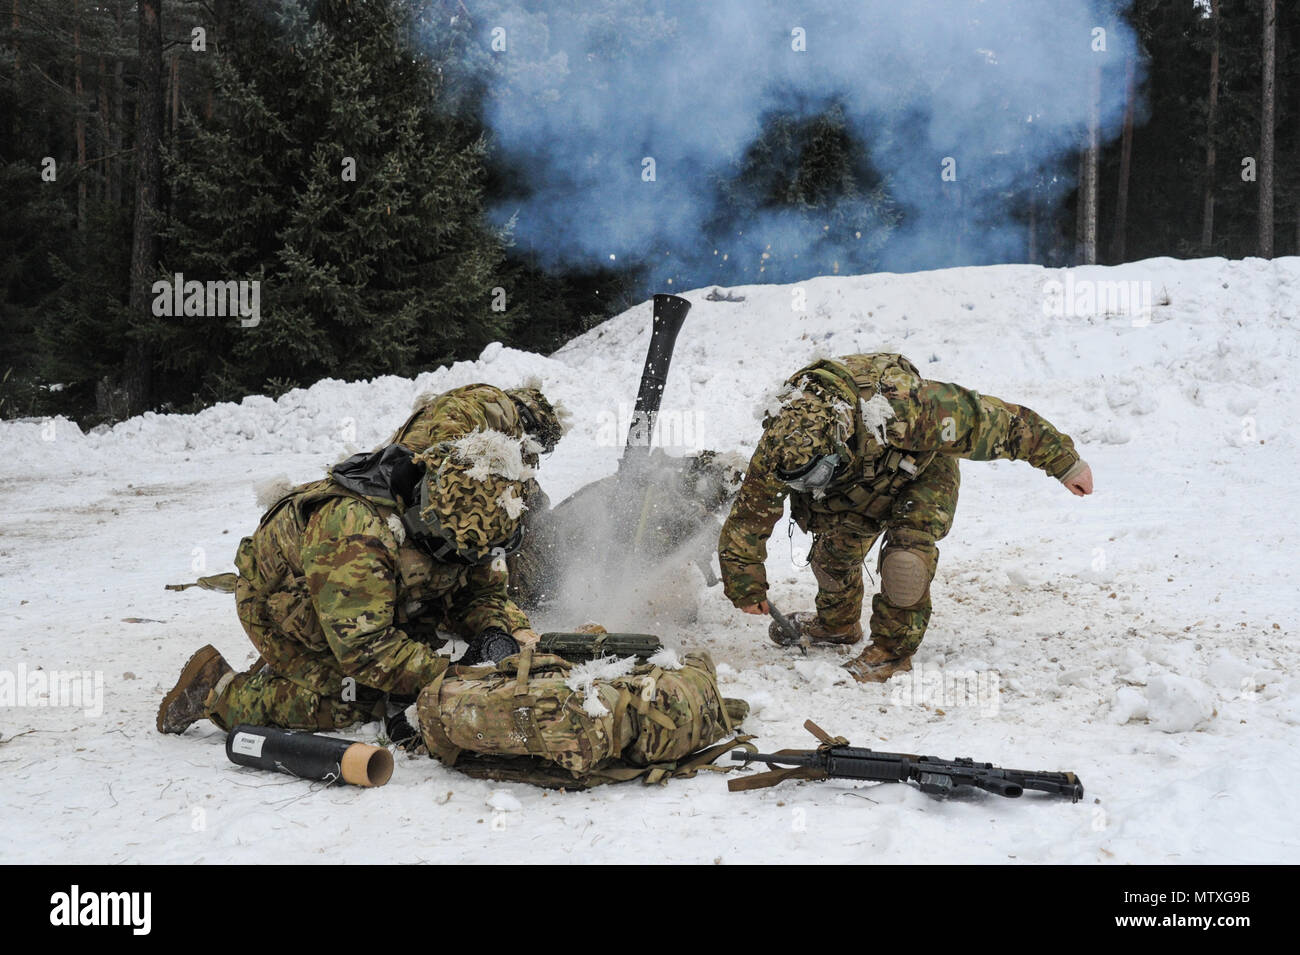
759 608
1081 484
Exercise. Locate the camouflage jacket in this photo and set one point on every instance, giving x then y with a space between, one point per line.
461 411
923 418
335 575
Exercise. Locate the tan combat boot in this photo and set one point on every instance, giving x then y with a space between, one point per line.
186 702
877 663
814 631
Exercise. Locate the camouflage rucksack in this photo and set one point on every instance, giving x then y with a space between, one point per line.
540 719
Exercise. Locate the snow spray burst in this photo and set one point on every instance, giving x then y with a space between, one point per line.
635 551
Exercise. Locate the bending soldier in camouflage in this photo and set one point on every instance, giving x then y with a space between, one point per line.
863 445
343 587
523 412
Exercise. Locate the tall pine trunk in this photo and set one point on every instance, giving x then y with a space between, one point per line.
145 245
1207 203
175 95
1266 132
1119 243
115 186
1088 174
79 114
106 159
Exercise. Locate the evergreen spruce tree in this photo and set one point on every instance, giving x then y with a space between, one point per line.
334 174
808 192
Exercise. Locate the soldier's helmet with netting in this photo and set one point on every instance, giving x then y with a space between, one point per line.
468 509
541 419
810 437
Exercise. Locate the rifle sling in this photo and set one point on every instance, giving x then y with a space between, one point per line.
774 777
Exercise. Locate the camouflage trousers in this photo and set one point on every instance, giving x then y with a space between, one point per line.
291 685
920 516
262 698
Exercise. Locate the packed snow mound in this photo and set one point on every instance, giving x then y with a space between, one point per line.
1177 704
331 417
1206 340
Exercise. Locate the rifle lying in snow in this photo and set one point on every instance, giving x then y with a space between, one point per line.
836 759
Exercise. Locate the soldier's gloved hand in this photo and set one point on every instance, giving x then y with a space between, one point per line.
401 732
424 630
492 645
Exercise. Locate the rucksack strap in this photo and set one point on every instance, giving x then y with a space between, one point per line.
443 747
224 583
620 710
705 759
657 773
521 672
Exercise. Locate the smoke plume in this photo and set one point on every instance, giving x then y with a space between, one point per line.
997 93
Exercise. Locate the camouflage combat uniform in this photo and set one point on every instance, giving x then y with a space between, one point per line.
901 480
343 610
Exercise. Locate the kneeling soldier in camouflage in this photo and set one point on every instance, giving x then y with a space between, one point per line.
345 582
864 445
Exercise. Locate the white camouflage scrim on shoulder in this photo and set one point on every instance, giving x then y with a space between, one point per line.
876 414
395 525
271 490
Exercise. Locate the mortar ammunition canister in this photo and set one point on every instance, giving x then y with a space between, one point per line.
309 755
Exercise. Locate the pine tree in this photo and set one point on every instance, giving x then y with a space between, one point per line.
390 272
808 182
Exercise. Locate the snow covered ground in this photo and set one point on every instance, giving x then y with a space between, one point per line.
1145 637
